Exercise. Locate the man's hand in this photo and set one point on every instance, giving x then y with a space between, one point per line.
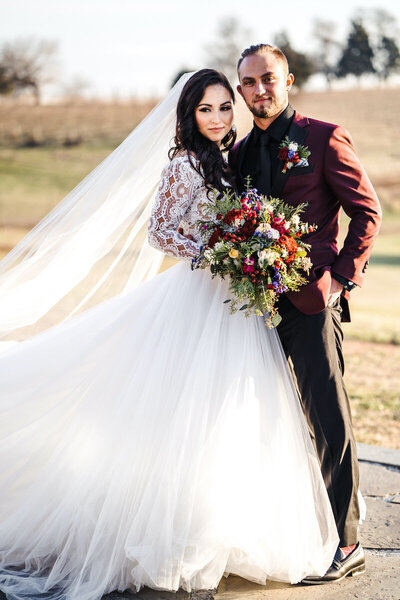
180 231
335 291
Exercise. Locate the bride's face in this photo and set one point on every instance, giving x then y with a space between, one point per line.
214 114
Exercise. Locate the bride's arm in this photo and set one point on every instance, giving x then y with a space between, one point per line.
175 194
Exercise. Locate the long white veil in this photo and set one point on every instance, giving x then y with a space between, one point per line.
93 244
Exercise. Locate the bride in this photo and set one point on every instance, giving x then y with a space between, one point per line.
153 439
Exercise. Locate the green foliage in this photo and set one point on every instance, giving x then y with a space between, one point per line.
6 86
300 64
389 54
357 56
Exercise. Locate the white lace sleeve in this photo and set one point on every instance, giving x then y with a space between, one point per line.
176 192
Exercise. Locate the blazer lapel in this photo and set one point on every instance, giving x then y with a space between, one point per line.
297 132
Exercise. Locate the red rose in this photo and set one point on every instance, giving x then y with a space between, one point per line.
248 229
283 153
215 237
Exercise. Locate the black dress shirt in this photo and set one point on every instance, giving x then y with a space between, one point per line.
277 130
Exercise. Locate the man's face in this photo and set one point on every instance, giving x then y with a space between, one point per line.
264 84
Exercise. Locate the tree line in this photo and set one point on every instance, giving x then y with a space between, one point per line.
372 47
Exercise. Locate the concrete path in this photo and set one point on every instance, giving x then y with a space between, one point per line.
380 536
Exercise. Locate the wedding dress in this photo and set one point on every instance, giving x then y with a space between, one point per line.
156 440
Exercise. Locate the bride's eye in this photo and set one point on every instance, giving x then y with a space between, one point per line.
225 108
204 109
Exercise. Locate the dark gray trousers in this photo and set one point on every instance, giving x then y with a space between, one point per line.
313 343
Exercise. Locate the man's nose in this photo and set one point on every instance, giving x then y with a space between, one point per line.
260 88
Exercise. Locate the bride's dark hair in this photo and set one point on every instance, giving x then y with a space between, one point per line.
212 166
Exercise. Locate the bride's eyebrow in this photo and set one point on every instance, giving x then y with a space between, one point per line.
210 105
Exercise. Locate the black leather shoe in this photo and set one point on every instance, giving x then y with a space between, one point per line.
353 564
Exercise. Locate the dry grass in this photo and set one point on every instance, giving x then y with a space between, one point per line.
373 382
69 124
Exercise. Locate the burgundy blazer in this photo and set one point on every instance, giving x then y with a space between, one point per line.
333 180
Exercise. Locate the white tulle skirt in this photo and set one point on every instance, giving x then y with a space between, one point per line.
156 440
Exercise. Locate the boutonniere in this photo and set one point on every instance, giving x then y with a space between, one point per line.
293 154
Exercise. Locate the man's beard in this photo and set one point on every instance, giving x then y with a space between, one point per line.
265 112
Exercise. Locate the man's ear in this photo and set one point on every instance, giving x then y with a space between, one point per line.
289 81
239 89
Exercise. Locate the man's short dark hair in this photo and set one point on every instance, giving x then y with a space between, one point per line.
261 49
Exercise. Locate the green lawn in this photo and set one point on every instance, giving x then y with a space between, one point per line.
33 180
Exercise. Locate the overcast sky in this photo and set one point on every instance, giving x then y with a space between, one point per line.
136 46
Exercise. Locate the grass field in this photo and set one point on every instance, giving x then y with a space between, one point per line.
72 140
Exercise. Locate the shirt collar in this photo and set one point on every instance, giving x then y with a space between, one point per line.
278 127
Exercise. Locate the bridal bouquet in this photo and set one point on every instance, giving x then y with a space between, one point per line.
256 242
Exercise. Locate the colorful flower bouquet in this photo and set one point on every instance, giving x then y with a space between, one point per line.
256 242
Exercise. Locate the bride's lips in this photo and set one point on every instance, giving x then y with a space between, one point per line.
216 129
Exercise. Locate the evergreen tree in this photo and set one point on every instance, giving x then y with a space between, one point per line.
301 65
357 57
388 55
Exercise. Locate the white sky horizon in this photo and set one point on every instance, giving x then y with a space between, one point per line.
124 48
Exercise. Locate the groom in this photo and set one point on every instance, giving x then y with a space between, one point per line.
310 331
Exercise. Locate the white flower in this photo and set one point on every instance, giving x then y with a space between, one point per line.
306 263
295 220
289 165
293 146
263 227
267 256
275 235
219 246
209 256
286 225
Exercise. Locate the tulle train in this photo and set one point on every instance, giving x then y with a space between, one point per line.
155 440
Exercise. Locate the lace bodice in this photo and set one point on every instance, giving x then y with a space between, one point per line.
178 204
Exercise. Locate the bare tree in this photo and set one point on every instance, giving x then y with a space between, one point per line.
225 50
5 83
28 64
328 48
76 89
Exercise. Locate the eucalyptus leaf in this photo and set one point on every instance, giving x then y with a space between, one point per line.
276 319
